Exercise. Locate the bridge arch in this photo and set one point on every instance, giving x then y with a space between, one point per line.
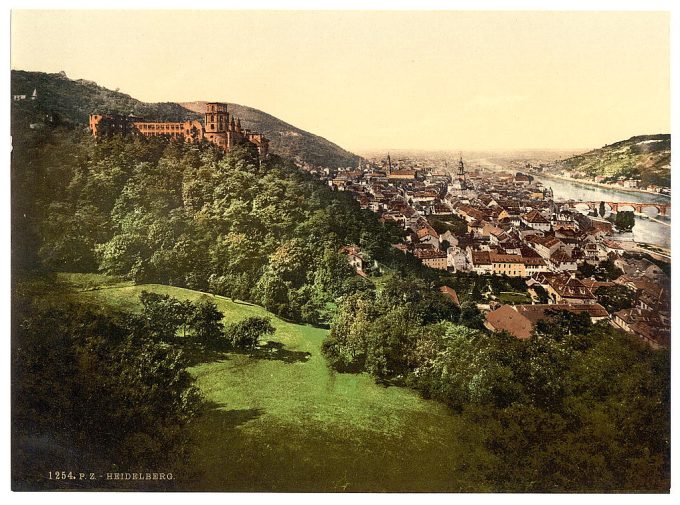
650 210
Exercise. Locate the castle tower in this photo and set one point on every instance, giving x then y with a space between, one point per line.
216 118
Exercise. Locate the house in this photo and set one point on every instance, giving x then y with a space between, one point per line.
480 262
506 318
645 324
401 247
449 237
507 264
565 288
457 259
536 312
563 262
428 235
593 285
535 220
521 180
544 246
355 258
432 258
534 265
520 320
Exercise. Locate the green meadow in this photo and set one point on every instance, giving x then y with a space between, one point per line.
279 419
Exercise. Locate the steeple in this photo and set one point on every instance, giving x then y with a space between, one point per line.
461 173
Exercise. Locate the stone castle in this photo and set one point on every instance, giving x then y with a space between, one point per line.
219 128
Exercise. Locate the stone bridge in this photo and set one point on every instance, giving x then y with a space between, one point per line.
663 209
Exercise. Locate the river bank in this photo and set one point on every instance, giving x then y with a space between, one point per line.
586 182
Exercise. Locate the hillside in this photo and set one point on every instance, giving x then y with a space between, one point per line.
73 100
328 431
286 139
647 157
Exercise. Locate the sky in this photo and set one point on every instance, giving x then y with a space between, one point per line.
379 80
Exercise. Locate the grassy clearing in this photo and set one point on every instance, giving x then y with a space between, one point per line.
512 297
289 423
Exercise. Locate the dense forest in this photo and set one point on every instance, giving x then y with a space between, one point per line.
576 407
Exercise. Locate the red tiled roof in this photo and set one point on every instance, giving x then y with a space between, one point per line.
505 258
481 258
535 313
535 217
451 293
507 318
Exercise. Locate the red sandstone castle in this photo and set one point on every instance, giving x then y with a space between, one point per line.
219 127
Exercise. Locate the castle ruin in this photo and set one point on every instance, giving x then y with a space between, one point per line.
219 128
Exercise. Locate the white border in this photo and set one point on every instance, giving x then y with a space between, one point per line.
479 5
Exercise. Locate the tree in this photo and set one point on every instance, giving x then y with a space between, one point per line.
615 298
602 209
471 316
608 271
206 323
246 334
163 315
625 220
77 370
346 344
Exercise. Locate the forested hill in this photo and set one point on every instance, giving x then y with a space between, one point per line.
647 157
74 100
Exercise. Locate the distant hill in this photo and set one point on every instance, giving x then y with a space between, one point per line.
73 101
647 157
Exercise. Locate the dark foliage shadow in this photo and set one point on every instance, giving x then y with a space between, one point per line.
224 419
276 351
196 353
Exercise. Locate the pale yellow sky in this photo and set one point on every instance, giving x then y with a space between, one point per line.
374 80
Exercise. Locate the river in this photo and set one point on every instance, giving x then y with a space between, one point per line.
645 230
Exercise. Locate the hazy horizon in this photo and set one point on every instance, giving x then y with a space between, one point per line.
418 80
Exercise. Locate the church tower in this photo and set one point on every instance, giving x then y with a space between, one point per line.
461 173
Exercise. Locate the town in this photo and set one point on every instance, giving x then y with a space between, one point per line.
506 224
